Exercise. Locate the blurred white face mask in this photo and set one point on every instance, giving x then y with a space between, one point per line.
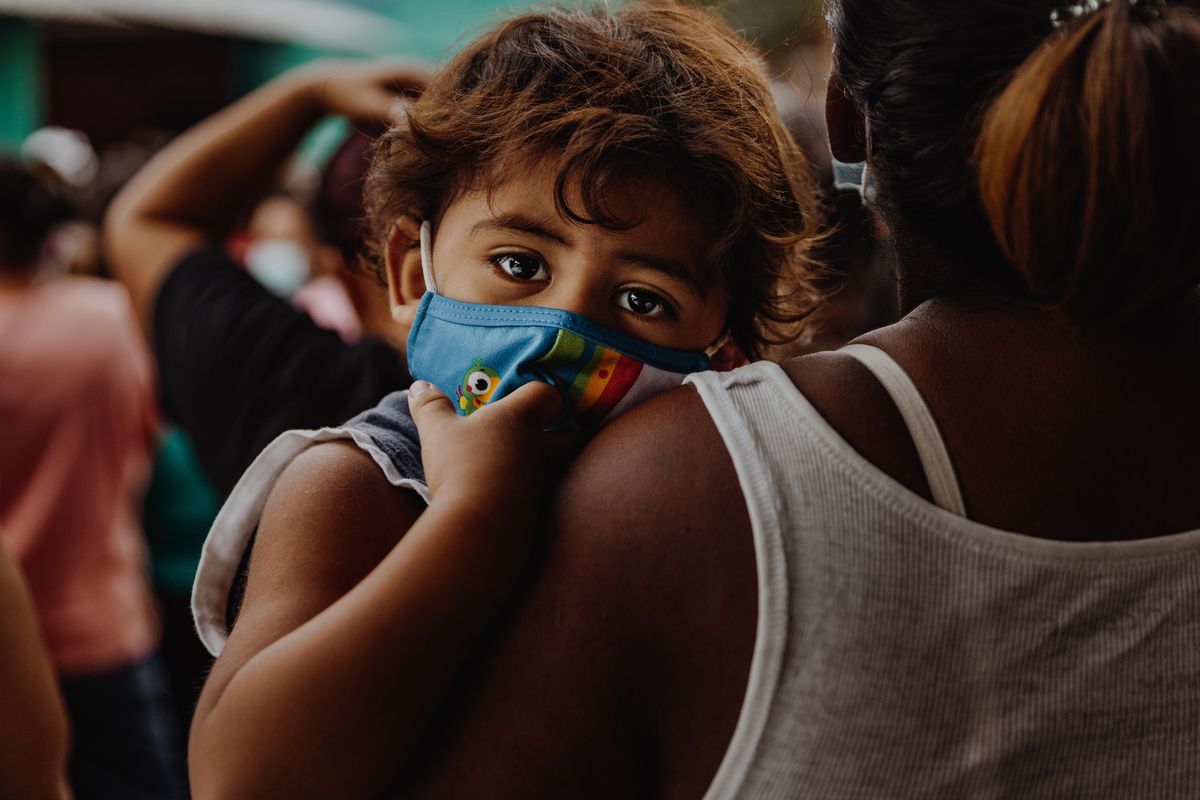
281 265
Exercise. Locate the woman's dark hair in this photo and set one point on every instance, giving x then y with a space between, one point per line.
1085 162
650 89
925 73
28 210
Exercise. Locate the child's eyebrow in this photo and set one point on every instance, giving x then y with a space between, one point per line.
672 269
514 221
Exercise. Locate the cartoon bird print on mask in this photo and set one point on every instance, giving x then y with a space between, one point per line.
478 386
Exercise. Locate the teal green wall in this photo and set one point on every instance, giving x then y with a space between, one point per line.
434 31
259 62
20 82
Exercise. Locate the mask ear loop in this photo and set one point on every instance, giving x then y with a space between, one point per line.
427 257
713 348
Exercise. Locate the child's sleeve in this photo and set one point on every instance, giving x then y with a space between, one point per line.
386 432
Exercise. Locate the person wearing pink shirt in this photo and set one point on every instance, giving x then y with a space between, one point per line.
77 417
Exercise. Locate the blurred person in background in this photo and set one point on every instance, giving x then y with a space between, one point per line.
282 250
78 427
238 365
34 735
64 161
339 215
342 296
179 506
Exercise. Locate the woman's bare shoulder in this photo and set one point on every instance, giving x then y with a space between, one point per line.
657 501
665 449
628 651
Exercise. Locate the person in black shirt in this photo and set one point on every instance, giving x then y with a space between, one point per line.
238 365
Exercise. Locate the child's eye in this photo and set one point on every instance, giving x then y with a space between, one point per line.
522 266
643 302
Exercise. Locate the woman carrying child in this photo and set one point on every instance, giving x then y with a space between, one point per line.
956 559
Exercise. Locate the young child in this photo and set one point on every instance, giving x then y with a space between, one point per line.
602 203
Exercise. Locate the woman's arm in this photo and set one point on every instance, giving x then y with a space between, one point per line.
329 677
33 735
618 671
621 667
199 185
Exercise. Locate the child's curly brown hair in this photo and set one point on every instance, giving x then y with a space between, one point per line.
653 89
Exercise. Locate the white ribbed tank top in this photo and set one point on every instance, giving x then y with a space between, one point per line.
905 651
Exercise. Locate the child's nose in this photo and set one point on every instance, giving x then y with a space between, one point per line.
580 297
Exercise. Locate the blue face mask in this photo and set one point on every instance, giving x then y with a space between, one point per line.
477 354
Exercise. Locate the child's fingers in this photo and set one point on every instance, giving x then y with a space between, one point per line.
427 404
536 404
532 407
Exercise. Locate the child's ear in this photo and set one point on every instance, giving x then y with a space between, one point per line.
728 356
406 281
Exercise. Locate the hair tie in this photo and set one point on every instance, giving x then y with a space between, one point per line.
1061 16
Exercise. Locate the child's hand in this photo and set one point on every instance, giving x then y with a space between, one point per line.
497 457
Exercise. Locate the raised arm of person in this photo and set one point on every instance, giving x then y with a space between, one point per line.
33 736
237 366
196 188
346 640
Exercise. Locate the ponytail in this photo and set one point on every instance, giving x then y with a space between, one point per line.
1088 162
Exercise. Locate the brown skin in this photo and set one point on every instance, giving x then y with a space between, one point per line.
619 667
620 671
530 732
34 735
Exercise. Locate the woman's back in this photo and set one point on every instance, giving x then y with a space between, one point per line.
1054 431
1044 644
900 645
852 638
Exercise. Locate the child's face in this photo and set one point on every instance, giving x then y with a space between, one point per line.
512 247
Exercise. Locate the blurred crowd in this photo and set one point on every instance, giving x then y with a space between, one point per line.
103 504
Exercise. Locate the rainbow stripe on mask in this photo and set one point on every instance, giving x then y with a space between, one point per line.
602 376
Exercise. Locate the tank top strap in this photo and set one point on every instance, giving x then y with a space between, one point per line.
939 470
